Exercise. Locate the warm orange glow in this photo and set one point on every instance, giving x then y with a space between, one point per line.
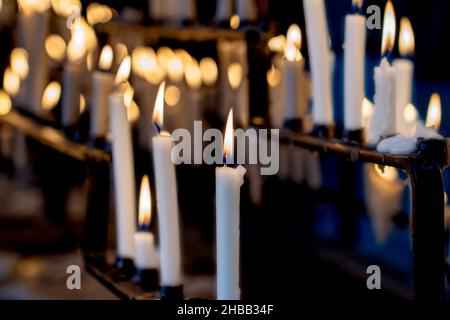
164 55
133 112
82 103
172 96
76 48
388 173
175 69
193 75
406 40
434 113
51 95
124 70
357 3
55 46
292 53
294 35
106 58
5 103
209 71
389 28
98 13
277 44
128 96
143 60
228 140
158 111
410 113
29 6
145 203
235 22
273 77
184 56
120 52
155 75
19 62
65 8
235 74
367 109
11 82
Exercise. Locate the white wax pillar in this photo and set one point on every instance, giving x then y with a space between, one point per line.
383 122
224 10
167 201
228 184
124 182
146 258
354 64
246 10
294 94
155 8
187 10
404 70
102 86
70 108
319 54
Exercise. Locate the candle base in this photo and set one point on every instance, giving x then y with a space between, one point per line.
148 279
323 131
125 268
354 136
171 293
295 125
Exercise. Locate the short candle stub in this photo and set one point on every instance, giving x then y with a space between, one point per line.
148 279
354 136
171 293
124 268
323 131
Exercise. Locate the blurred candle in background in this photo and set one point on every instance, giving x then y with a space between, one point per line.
246 10
51 96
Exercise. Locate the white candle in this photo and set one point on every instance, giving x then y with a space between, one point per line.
228 183
246 10
123 167
354 63
404 69
102 86
239 92
319 53
384 117
224 10
143 239
167 200
155 9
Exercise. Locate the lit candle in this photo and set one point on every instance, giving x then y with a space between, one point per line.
123 167
404 70
228 184
319 53
384 118
102 86
434 113
354 63
167 199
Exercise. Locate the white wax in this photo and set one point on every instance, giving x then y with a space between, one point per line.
246 10
354 63
404 70
144 243
228 184
72 78
295 97
319 54
102 86
145 93
397 145
187 10
223 10
155 9
383 122
168 218
124 182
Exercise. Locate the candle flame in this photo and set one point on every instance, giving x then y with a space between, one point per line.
273 76
228 141
128 96
209 71
175 69
98 13
5 103
294 35
82 103
172 96
143 60
65 8
434 112
29 6
235 22
51 95
120 52
387 173
158 111
106 58
235 74
19 62
410 113
406 40
124 71
76 48
357 4
11 82
185 57
277 44
55 46
133 112
292 53
389 28
193 75
163 56
145 203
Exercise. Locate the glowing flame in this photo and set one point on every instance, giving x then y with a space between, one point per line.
292 53
30 6
406 40
235 74
76 48
184 56
228 140
175 69
5 103
82 103
294 35
106 58
388 173
235 22
434 112
172 96
120 51
51 96
158 111
410 113
277 44
66 8
273 76
19 62
128 96
387 43
98 13
143 60
164 55
209 71
193 75
11 82
145 203
55 46
155 75
124 71
367 109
